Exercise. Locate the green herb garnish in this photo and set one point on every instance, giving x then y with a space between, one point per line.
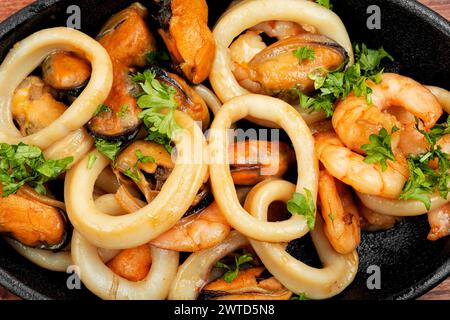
24 164
91 160
101 109
109 149
123 111
325 3
303 53
379 149
232 273
157 57
303 205
159 104
300 296
338 84
144 159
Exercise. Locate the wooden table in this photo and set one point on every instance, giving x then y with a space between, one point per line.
442 292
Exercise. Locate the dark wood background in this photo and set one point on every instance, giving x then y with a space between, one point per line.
442 292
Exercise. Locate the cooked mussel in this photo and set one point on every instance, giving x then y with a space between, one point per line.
128 40
34 106
188 99
250 284
65 70
253 161
277 69
157 163
33 223
184 29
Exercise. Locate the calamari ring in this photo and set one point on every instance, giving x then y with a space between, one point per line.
26 56
53 261
339 270
140 227
76 144
400 208
103 282
194 272
278 111
249 13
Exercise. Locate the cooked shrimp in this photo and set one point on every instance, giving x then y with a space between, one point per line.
355 120
197 232
132 264
439 220
350 168
339 213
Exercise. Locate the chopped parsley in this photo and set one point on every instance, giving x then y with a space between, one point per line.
338 84
423 179
300 296
91 160
303 205
110 149
331 216
379 149
325 3
157 57
159 104
133 174
142 158
24 164
123 111
101 109
232 273
304 53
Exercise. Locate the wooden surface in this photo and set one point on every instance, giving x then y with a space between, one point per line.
442 292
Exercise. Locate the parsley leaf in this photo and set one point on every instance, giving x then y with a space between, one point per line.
331 216
303 205
379 149
101 108
160 139
108 148
159 104
142 158
157 57
338 84
123 111
24 164
424 179
133 174
91 160
325 3
300 296
303 53
231 273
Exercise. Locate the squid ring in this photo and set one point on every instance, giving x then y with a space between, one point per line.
249 13
53 261
26 56
339 270
103 282
76 144
400 208
193 273
278 111
140 227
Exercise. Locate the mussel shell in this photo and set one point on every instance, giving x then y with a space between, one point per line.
163 13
